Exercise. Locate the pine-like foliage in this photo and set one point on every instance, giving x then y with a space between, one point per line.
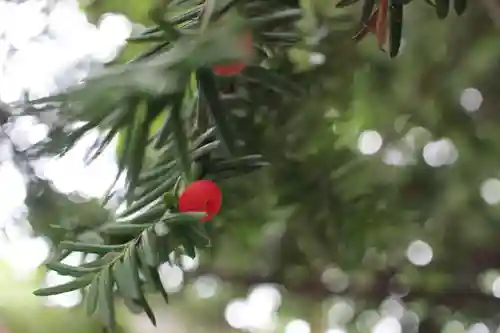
385 19
168 103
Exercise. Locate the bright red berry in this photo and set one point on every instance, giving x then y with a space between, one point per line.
201 196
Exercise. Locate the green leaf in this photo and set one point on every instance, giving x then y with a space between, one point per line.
169 124
152 276
204 150
124 228
236 167
189 248
244 161
151 187
64 144
124 145
170 218
204 136
135 268
442 8
218 111
138 143
199 236
105 91
103 143
150 38
150 197
147 309
460 6
181 138
73 285
176 190
165 132
170 200
126 273
224 8
191 238
346 3
104 260
158 284
149 248
395 27
280 37
90 248
151 214
156 172
155 50
272 80
208 10
188 15
92 295
68 270
276 17
166 248
106 304
169 30
123 274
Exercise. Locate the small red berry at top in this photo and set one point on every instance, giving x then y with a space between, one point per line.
231 69
236 67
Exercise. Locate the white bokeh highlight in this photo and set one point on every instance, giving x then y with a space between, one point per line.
453 326
369 142
495 288
439 153
258 312
206 286
471 99
387 325
316 58
298 326
490 191
478 328
419 253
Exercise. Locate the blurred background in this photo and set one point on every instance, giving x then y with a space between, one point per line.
379 214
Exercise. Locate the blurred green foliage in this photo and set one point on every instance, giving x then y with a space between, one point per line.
21 311
322 204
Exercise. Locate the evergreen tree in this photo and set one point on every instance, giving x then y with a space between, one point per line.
223 94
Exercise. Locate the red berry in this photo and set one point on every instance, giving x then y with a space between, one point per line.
201 196
229 69
235 68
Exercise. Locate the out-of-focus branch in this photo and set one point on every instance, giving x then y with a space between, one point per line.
455 298
492 8
428 326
